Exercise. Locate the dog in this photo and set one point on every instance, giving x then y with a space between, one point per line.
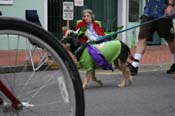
118 52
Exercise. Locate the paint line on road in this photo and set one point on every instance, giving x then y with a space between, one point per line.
119 72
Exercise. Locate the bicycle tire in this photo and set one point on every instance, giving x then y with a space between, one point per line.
42 84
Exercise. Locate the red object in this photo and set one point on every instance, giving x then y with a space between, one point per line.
96 27
15 102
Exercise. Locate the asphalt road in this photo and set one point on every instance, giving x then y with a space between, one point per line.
152 94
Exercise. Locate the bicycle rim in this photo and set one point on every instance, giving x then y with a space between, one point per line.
44 80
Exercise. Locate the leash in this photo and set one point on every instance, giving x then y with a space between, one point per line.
115 33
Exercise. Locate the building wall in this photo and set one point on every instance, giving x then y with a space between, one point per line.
104 10
131 36
17 9
129 12
111 13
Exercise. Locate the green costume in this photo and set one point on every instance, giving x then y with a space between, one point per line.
109 49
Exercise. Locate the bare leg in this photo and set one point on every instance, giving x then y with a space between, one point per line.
140 50
141 46
171 45
172 49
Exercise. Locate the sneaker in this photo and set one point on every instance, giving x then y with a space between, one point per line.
133 70
171 70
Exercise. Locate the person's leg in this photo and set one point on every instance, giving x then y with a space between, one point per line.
172 49
145 34
140 50
167 32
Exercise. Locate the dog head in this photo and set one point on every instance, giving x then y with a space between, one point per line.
72 40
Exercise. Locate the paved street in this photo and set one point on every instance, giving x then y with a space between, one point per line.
152 94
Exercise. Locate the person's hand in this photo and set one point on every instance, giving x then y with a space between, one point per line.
169 11
68 32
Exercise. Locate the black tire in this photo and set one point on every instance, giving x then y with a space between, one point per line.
60 64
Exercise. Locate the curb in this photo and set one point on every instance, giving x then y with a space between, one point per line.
151 67
16 69
142 68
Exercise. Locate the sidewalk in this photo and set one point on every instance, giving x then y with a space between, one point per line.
158 55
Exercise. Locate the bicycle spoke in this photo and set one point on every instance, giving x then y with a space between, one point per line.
42 87
38 72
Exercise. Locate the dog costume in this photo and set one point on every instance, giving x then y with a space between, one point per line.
110 50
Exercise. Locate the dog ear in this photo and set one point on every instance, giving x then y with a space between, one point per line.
67 39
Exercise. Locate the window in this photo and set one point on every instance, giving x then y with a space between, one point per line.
134 10
6 1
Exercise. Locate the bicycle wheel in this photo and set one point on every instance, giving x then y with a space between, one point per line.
38 71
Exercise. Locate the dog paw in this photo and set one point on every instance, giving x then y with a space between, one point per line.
120 85
85 87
